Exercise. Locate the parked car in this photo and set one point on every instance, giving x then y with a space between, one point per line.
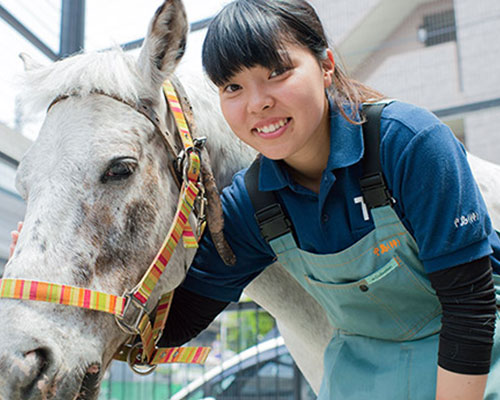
264 372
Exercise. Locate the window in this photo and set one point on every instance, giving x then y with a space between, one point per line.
438 28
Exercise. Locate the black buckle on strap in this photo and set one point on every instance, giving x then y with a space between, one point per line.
375 191
272 222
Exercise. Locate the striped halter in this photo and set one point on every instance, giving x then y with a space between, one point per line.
130 309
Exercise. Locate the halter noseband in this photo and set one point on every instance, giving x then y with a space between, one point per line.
130 309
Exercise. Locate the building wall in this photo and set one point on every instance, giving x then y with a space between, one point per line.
483 134
405 69
478 29
444 76
339 17
478 34
427 77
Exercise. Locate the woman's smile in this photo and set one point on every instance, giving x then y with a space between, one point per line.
272 130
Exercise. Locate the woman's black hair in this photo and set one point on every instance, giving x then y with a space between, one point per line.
254 32
247 33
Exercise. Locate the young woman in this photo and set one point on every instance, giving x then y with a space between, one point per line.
408 283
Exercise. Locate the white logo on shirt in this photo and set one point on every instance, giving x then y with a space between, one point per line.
466 219
358 200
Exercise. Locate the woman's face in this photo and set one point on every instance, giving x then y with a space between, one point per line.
281 113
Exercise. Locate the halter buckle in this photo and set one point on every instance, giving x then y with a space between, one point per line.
123 321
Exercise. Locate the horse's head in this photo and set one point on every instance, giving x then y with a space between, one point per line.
100 198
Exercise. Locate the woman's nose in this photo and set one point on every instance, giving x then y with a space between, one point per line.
259 100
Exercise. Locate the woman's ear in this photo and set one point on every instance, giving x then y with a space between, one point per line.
328 66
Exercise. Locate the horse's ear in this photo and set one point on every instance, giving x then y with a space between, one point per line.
29 62
165 42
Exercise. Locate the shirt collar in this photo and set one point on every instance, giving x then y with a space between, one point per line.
346 148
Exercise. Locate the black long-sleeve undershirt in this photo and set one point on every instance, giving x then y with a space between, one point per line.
467 296
190 314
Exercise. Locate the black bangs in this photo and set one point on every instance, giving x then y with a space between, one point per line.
242 36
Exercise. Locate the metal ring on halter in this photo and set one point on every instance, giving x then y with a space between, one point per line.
136 366
178 163
182 161
200 210
200 142
120 319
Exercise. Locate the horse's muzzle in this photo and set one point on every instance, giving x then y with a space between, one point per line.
24 373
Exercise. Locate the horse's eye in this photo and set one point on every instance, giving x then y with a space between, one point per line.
119 169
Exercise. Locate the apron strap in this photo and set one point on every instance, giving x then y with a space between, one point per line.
373 185
272 221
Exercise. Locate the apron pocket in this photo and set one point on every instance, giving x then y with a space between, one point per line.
391 303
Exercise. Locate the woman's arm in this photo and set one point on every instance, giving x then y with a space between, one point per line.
467 296
434 206
453 386
189 315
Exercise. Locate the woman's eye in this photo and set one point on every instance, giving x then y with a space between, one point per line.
119 169
231 88
278 72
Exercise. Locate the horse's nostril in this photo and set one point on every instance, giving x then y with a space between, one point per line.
40 357
90 383
26 367
34 365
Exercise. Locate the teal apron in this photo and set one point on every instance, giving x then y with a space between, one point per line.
377 294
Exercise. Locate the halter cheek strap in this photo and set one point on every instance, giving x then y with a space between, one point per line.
130 309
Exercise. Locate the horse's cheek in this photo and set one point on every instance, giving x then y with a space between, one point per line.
139 217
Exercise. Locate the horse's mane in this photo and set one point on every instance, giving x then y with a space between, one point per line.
111 71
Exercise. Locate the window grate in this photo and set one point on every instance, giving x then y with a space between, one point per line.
438 28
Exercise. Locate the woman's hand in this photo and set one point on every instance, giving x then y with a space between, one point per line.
15 236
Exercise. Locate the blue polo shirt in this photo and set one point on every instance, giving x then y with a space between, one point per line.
426 171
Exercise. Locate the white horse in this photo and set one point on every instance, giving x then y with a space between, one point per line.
100 199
